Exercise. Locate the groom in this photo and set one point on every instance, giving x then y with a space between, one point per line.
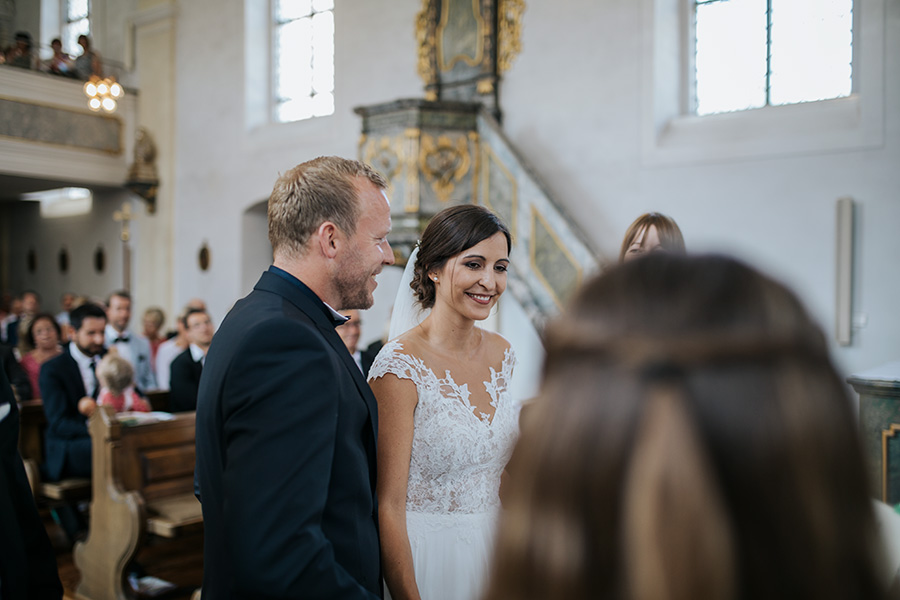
286 424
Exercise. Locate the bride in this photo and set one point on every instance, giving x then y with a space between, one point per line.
447 424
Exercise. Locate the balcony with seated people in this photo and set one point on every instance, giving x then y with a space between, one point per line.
49 134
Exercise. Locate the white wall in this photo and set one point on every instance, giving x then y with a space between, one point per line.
224 167
775 211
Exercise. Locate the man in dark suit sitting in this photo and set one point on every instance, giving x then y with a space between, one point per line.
65 381
188 366
286 424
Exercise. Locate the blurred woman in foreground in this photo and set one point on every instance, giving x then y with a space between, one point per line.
692 440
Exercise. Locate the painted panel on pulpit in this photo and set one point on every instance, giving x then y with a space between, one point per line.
552 262
499 189
460 34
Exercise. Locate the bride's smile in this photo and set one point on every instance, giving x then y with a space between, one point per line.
473 280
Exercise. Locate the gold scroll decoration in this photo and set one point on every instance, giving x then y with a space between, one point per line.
386 155
444 163
509 32
552 262
411 146
425 39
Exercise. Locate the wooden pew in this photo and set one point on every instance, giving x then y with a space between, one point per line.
32 424
143 483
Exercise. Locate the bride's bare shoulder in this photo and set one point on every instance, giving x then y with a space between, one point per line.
410 342
496 342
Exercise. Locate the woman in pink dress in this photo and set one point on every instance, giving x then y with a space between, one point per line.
42 336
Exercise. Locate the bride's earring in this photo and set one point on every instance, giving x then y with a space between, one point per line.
434 278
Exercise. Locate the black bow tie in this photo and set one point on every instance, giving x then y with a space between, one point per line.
121 339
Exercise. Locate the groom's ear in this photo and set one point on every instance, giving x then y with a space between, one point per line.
329 239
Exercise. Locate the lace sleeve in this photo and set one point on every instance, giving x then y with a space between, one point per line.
392 360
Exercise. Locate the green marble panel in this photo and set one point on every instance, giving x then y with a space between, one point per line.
500 190
550 261
893 470
60 127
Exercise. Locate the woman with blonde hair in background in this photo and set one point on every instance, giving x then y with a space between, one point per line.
651 232
691 440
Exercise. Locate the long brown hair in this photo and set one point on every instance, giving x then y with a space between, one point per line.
692 440
670 237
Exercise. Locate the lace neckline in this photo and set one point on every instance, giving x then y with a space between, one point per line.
461 392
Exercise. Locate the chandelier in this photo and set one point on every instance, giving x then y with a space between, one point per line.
103 93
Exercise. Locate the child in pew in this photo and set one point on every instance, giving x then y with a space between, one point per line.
116 377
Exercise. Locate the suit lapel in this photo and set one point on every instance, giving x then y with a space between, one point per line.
273 283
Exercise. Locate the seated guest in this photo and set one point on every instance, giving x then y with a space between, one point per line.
42 336
88 62
21 54
153 321
132 347
188 366
27 563
64 382
66 303
651 232
116 378
30 306
60 63
692 439
349 332
174 346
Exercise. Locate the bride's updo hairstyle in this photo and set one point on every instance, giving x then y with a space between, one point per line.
451 231
691 440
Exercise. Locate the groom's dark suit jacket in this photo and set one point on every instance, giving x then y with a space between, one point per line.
286 430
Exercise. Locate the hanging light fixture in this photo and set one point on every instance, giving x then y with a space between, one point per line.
103 93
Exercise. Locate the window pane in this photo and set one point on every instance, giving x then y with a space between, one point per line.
323 104
294 62
323 56
812 47
731 55
71 33
294 110
304 59
76 9
293 9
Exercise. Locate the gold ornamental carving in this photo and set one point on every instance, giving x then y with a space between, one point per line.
509 32
411 152
425 39
385 156
444 163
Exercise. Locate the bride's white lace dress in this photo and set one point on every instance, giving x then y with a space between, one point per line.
452 498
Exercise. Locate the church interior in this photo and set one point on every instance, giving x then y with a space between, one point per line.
569 119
